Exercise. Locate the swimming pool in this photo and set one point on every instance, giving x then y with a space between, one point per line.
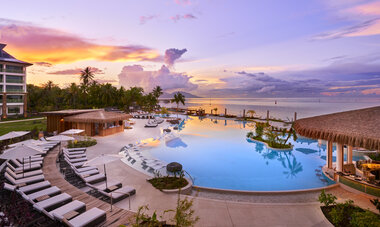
217 154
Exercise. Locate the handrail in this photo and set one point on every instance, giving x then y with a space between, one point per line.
191 178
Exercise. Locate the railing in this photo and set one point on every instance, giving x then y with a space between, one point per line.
15 101
14 71
16 81
15 90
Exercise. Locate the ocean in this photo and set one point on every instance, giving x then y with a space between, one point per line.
282 108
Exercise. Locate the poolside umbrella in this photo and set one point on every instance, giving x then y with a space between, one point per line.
60 138
20 152
103 159
13 134
72 132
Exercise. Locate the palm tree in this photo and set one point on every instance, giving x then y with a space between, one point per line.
251 112
178 98
73 93
86 76
157 91
216 111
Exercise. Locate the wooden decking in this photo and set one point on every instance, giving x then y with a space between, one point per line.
115 218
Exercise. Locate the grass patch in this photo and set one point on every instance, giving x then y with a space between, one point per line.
168 182
82 143
22 126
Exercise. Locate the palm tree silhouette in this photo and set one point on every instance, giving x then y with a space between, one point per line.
178 98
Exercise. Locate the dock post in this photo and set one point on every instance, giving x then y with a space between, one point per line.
267 115
244 113
225 111
295 116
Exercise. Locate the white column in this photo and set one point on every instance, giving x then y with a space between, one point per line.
349 154
329 152
339 157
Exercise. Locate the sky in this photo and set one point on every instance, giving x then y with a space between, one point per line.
210 48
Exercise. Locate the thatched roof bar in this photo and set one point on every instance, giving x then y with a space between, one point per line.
97 117
358 128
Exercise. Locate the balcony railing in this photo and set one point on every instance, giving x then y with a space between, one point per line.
15 90
15 101
15 81
14 70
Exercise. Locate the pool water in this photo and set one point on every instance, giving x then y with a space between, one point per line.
217 154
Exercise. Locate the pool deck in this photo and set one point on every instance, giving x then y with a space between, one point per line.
216 208
115 217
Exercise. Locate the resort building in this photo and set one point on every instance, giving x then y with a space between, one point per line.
347 132
13 93
94 122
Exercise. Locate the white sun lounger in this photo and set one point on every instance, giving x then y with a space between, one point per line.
9 187
83 169
101 186
23 175
26 162
88 173
18 166
33 159
34 187
77 164
71 156
26 180
91 217
47 191
120 193
76 149
74 160
94 178
53 202
74 152
75 205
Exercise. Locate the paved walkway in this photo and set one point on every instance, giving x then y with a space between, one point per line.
31 119
215 209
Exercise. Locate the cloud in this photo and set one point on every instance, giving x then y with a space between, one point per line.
103 81
75 71
144 19
185 16
182 2
368 27
135 75
43 64
363 17
39 44
171 55
353 77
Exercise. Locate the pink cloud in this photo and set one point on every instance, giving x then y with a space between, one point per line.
75 71
375 91
178 17
144 19
182 2
38 44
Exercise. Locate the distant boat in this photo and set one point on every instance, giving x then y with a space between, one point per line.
275 102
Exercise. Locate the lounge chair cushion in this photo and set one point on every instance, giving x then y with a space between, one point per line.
26 180
34 187
9 187
101 186
23 175
91 217
53 202
94 178
83 169
72 206
48 191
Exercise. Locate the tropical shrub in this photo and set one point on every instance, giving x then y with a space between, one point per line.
376 203
365 219
327 199
88 142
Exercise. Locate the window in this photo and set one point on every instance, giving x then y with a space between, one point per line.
15 79
14 69
14 99
14 88
13 110
1 99
1 88
1 67
1 78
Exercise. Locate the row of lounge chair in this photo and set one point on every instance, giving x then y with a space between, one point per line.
30 183
148 163
111 189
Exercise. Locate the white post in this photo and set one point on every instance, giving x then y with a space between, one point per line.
349 154
339 157
329 153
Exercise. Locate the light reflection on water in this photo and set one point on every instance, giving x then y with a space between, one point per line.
218 155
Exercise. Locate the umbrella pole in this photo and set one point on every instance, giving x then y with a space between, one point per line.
23 171
105 174
111 201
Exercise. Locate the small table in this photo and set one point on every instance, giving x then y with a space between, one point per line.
70 214
112 188
21 185
86 175
39 199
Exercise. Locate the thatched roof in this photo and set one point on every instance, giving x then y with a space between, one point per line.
358 128
100 116
69 112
